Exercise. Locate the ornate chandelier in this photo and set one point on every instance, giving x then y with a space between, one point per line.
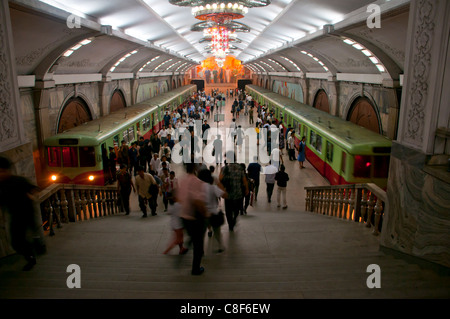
217 22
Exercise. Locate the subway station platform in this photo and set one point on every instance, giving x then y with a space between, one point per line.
273 253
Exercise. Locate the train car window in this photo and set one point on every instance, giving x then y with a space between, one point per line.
315 141
54 156
330 152
319 143
381 166
145 122
70 156
125 136
363 165
295 125
344 161
131 134
87 156
312 139
116 140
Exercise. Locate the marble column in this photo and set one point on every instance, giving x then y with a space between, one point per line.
417 219
13 143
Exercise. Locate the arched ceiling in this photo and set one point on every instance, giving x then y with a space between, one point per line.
154 36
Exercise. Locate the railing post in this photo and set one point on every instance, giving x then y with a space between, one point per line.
104 204
72 206
370 205
57 209
340 202
108 202
116 208
320 201
335 202
94 203
352 200
64 205
364 199
49 210
307 204
84 205
329 201
378 209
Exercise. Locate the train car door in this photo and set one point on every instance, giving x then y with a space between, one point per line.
105 162
328 167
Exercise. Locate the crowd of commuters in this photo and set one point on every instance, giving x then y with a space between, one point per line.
198 200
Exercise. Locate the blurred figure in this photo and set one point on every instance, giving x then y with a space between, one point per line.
176 224
254 171
124 186
191 195
16 200
213 193
233 179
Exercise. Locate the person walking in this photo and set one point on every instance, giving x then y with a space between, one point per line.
191 195
254 171
282 178
16 200
124 186
250 115
233 179
143 182
270 172
176 223
213 193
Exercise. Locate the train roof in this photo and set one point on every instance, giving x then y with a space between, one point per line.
352 137
97 130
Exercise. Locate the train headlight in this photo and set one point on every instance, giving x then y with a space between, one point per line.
53 178
91 177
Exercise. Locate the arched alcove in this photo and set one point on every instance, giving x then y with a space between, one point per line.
117 101
364 113
321 101
75 112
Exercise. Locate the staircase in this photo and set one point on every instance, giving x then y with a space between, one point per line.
273 254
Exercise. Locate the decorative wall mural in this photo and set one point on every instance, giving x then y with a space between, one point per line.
148 90
209 71
291 90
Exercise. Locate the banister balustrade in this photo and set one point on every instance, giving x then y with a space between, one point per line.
364 203
64 203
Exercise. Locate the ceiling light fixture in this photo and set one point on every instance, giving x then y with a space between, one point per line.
367 53
217 22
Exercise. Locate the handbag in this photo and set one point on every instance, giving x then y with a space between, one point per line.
217 220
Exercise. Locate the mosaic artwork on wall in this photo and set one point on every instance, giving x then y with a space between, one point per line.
148 90
209 71
291 90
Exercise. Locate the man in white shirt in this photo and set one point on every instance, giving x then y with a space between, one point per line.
155 163
270 172
291 145
162 134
